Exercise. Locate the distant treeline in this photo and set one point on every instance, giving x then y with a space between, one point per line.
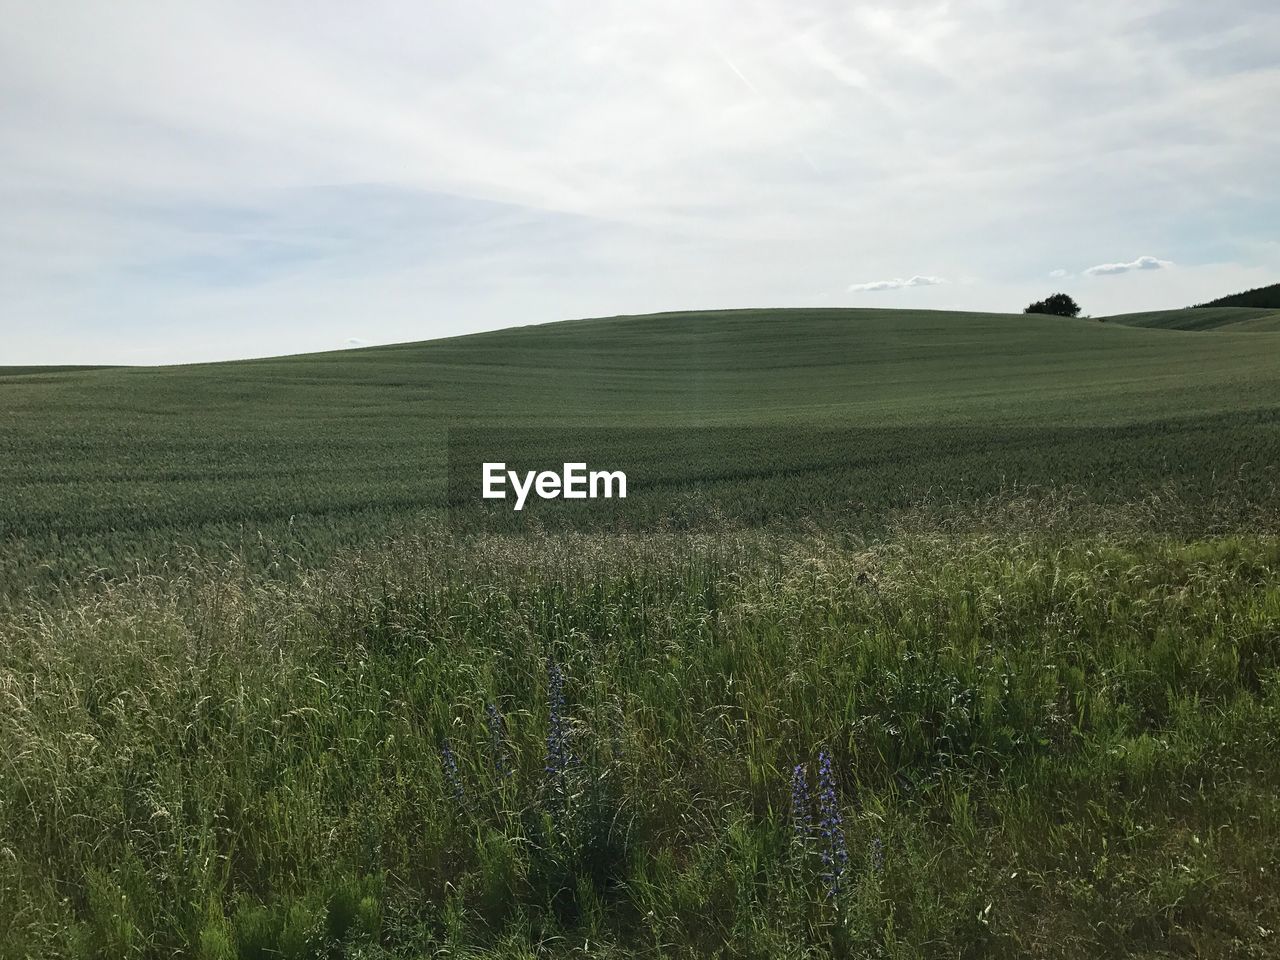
1258 297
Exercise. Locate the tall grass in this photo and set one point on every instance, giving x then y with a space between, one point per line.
1012 746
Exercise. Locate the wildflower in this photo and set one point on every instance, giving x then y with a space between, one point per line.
835 854
498 745
449 763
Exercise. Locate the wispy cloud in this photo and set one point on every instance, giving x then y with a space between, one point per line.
202 181
896 284
1142 263
1059 274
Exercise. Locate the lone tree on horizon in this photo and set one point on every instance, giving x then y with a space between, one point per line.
1058 305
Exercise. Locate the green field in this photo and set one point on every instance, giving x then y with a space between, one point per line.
763 416
920 634
1235 319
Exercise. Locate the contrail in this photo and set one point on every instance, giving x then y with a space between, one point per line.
734 67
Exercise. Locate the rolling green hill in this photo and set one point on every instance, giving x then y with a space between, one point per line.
1235 319
768 416
36 370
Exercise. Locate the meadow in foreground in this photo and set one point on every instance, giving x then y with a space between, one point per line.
958 739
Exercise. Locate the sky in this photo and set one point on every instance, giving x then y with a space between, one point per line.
186 182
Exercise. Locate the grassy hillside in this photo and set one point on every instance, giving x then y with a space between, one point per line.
760 415
1234 319
64 368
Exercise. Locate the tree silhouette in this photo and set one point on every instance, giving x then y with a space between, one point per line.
1058 305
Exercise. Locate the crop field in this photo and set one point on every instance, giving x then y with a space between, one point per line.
759 416
1235 319
919 634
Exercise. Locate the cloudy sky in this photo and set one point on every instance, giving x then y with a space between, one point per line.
187 181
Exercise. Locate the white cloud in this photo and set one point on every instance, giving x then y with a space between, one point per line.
1142 263
898 284
1058 274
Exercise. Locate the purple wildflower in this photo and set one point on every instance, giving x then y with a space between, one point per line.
835 854
498 745
449 763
